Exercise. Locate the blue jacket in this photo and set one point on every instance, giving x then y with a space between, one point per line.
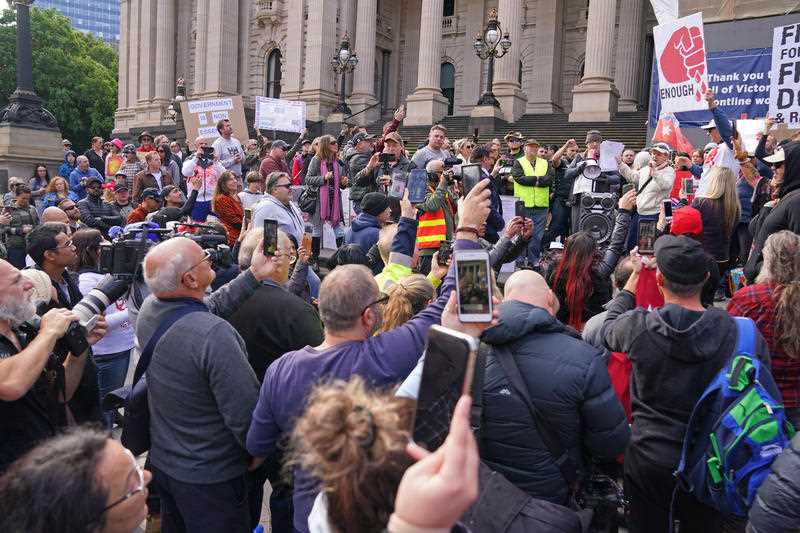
66 169
568 383
51 199
363 231
745 192
75 178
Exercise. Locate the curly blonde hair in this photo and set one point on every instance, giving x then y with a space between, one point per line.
407 297
352 440
782 268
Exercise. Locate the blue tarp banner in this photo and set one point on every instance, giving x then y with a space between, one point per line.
740 79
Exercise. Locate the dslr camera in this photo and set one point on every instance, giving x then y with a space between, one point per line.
205 158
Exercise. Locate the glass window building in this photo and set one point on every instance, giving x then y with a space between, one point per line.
98 17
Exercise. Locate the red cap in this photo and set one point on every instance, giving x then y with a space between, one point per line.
686 221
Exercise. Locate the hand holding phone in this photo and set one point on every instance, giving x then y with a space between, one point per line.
647 236
470 176
519 209
270 237
473 285
417 185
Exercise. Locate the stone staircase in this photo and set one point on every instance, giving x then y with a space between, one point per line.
629 128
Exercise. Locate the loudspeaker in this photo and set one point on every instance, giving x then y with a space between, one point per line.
596 215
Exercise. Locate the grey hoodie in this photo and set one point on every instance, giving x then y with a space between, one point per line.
290 218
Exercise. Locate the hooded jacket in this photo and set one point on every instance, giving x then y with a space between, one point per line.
785 215
568 383
676 353
356 162
776 508
363 231
66 169
290 218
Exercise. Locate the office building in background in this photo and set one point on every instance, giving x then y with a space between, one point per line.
98 17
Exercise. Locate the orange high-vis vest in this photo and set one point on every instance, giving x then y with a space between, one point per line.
431 228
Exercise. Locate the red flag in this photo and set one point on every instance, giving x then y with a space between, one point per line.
668 130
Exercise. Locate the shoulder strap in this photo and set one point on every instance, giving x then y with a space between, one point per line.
646 183
746 340
550 438
478 379
169 320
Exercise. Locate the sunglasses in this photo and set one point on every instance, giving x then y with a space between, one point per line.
382 300
67 244
287 186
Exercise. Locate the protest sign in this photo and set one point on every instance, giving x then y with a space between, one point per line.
200 117
280 115
748 133
609 152
784 94
682 69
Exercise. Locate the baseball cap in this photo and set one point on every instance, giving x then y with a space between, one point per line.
778 157
681 259
393 136
513 135
117 143
305 141
129 149
145 134
710 126
686 221
374 203
358 137
661 147
280 144
532 141
151 192
121 187
66 142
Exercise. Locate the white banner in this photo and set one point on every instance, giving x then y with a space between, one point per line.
682 69
784 90
665 10
280 115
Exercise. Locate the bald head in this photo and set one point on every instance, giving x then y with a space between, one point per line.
434 165
344 293
54 214
166 263
530 287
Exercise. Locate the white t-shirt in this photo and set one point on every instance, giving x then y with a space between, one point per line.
226 150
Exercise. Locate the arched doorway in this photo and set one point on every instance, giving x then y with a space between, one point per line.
273 77
447 82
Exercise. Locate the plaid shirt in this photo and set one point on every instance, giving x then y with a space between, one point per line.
130 170
757 302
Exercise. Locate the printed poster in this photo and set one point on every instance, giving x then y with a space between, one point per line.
682 68
784 93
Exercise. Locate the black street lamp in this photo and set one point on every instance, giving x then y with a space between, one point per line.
491 44
343 62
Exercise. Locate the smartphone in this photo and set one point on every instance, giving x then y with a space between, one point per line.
270 237
445 252
647 237
446 375
470 176
473 285
688 185
248 217
417 185
519 208
668 210
627 187
307 241
398 187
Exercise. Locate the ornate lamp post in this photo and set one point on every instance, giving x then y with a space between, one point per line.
491 44
343 62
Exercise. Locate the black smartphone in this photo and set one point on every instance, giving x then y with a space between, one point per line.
627 187
688 185
519 208
473 285
417 185
270 236
470 176
647 237
446 375
385 158
398 187
445 252
668 209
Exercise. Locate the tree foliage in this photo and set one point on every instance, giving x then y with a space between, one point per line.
73 72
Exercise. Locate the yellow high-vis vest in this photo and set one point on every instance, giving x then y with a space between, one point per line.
530 195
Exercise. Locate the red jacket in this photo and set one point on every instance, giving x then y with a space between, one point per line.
138 215
272 165
230 212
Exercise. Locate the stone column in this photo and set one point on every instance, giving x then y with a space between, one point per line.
291 81
124 25
223 48
472 78
200 48
629 58
147 54
427 105
165 51
364 75
133 52
506 86
319 85
544 94
595 98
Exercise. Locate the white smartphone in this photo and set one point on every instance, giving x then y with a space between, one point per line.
473 285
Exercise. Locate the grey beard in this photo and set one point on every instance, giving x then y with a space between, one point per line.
18 312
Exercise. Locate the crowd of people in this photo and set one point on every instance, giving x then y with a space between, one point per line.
270 366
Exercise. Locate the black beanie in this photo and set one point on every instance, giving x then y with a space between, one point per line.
374 203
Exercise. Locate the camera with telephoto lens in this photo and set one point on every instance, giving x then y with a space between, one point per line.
205 158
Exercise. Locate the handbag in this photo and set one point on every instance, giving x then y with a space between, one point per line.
308 199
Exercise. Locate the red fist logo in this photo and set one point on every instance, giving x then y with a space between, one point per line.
683 58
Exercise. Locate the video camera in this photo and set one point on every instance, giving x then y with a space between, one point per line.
205 158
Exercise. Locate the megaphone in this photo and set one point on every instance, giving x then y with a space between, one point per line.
591 170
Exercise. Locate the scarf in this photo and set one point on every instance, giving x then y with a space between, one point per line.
327 212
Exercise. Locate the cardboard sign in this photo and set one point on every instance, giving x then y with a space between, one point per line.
784 93
682 69
280 115
200 118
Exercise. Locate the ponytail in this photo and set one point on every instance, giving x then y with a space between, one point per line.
787 319
407 297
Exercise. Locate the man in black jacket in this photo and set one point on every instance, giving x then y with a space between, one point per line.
676 351
95 212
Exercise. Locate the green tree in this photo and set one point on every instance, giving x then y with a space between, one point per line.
73 72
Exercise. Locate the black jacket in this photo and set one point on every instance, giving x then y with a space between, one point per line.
98 214
776 508
568 382
675 354
715 239
96 162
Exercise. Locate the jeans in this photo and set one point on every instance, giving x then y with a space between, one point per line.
111 371
539 217
559 223
190 507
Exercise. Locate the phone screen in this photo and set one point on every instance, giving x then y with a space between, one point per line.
270 237
473 288
519 208
417 186
688 185
446 375
470 176
398 187
668 209
445 251
248 217
647 237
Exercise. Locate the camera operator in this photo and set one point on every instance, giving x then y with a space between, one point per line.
34 386
438 211
376 176
202 163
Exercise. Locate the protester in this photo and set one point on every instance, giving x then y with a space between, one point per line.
278 205
376 176
169 164
114 159
375 212
675 351
131 165
97 156
39 182
437 214
95 212
69 164
152 177
70 209
23 220
81 173
209 171
463 149
719 152
495 222
172 196
434 149
560 223
328 177
150 203
57 190
532 176
145 144
228 148
176 151
356 160
275 160
226 206
300 161
254 190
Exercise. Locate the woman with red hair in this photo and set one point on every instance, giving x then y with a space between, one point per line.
582 278
227 206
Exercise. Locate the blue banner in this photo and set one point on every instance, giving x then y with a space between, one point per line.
740 79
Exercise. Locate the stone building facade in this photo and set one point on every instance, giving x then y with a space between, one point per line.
586 58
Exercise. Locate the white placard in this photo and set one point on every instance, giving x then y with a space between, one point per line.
665 10
682 68
216 116
219 104
201 118
280 115
609 152
784 90
748 133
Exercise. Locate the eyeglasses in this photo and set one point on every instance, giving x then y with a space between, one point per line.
136 490
67 244
334 143
382 300
288 186
206 258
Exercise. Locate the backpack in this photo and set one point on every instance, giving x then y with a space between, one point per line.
735 431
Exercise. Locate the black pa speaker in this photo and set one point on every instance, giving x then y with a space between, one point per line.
596 215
